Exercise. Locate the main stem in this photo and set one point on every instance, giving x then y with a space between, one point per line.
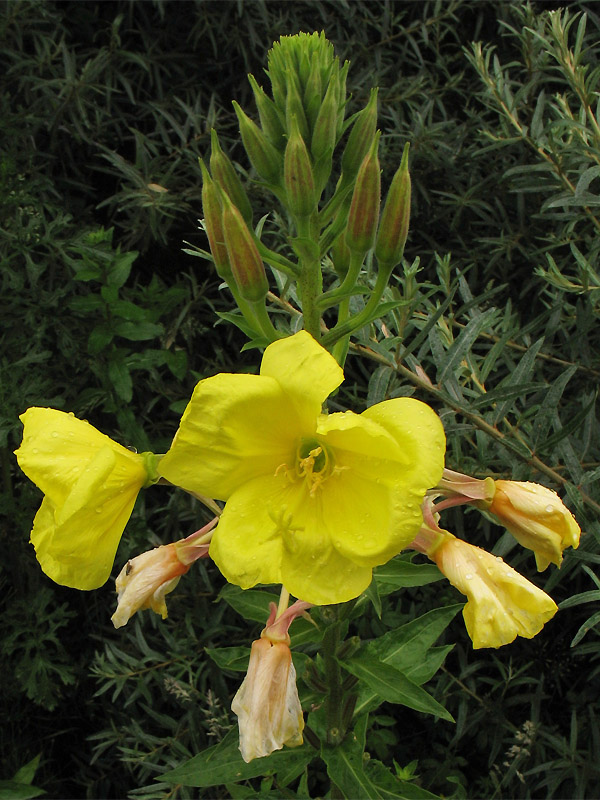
310 281
333 675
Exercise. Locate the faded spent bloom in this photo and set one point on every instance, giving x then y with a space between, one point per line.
90 484
267 704
146 579
537 518
502 604
313 501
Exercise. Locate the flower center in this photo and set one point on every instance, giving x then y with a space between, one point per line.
313 463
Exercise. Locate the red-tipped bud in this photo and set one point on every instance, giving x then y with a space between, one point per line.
213 223
297 175
264 156
361 138
246 264
366 198
393 228
225 175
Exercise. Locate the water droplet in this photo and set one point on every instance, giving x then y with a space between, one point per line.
34 450
549 509
99 509
469 576
55 434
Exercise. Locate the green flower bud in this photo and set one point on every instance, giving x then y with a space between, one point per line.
393 228
360 139
297 175
294 108
265 158
269 116
213 223
313 93
366 198
340 256
225 175
343 74
246 264
325 131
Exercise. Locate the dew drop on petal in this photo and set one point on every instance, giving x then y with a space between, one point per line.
549 509
469 576
55 434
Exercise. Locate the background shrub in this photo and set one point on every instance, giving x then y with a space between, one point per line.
106 107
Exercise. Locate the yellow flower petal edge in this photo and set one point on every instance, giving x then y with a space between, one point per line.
90 484
314 501
502 604
537 518
306 372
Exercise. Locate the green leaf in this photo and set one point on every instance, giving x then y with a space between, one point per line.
12 790
378 385
464 342
345 766
232 658
120 269
249 603
424 669
223 763
544 416
519 375
399 573
27 772
388 785
407 645
121 379
137 331
84 305
99 338
393 686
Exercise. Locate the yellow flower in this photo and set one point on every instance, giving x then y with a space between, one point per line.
267 704
90 485
502 604
537 518
145 580
314 500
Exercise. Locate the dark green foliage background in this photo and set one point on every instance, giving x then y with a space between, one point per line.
105 108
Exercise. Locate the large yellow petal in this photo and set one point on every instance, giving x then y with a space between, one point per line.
247 543
273 531
363 446
372 503
78 548
57 447
235 428
305 371
420 433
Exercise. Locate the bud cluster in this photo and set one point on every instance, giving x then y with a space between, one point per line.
301 127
